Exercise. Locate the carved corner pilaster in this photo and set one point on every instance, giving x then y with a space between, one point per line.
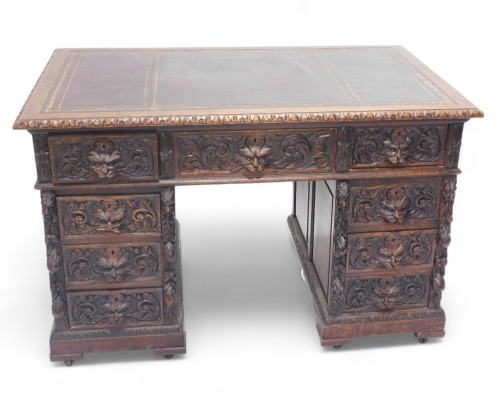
171 281
453 145
166 155
42 157
337 272
343 149
448 188
54 259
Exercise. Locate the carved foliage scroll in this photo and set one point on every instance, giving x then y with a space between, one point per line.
337 272
114 309
54 259
105 158
390 250
172 283
443 240
92 216
395 205
386 294
254 153
109 263
390 147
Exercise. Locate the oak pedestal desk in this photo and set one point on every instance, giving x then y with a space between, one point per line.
369 136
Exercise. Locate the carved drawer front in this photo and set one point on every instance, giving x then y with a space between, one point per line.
105 264
390 251
124 308
91 159
388 147
254 153
386 294
113 217
394 206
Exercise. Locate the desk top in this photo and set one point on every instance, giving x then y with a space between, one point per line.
89 88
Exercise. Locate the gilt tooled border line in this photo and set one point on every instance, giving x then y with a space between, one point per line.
233 119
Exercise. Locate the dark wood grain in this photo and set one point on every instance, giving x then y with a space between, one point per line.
373 151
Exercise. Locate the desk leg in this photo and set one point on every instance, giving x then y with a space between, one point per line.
373 276
69 344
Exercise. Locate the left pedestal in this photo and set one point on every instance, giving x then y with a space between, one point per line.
115 272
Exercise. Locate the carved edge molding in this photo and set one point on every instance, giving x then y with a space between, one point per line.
54 259
42 157
337 273
448 188
257 118
172 285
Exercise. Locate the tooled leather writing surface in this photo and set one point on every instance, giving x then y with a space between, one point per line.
92 84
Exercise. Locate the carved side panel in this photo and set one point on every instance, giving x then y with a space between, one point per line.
386 250
111 215
443 239
338 266
42 157
172 284
111 263
54 259
453 145
396 204
137 307
386 294
397 146
253 153
104 158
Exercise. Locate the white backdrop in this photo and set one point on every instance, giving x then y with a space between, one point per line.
249 321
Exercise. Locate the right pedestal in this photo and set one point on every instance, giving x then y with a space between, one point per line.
373 253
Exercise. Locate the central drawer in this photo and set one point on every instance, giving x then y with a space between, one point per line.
253 153
113 217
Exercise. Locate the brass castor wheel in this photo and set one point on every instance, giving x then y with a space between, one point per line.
337 346
68 363
168 356
422 340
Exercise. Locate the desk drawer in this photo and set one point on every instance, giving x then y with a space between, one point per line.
253 153
386 294
113 217
123 308
97 159
394 206
367 148
387 252
105 265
